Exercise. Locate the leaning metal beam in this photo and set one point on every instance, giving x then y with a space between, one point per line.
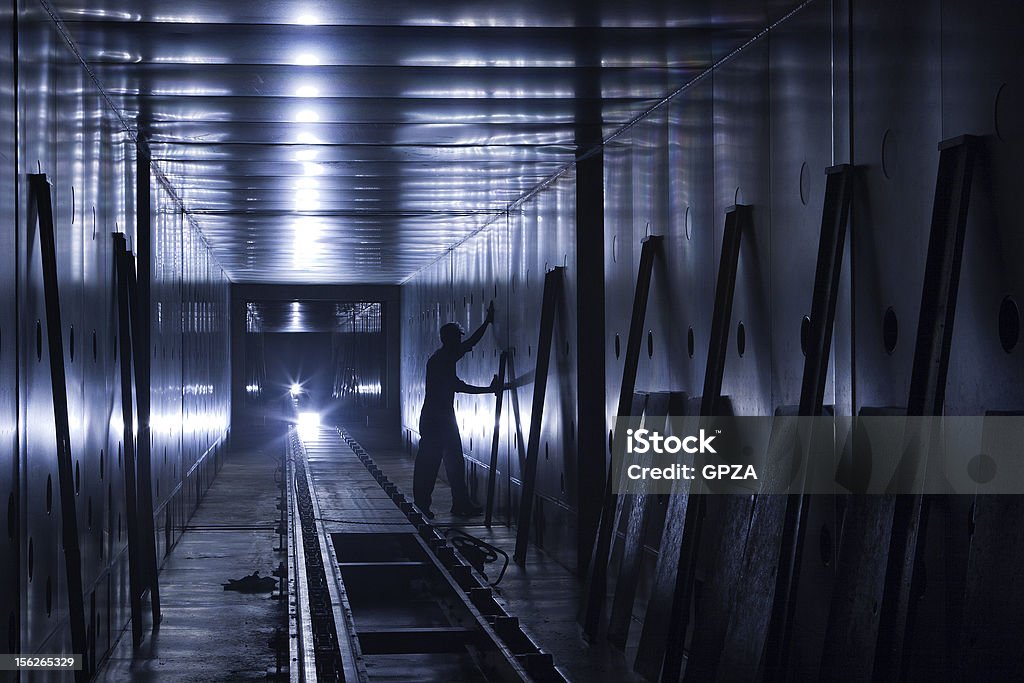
597 584
661 648
553 283
41 214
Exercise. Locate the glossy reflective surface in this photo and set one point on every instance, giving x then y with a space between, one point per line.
356 142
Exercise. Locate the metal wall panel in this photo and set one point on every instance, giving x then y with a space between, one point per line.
860 81
10 531
66 130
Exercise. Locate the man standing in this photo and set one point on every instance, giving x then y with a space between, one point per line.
439 430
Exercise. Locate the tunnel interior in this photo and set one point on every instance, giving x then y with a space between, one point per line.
783 233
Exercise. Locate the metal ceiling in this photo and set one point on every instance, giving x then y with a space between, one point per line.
356 141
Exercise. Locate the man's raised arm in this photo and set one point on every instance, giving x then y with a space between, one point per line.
475 338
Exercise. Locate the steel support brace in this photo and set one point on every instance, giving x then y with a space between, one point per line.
492 473
597 577
662 641
553 284
761 618
927 392
136 575
41 214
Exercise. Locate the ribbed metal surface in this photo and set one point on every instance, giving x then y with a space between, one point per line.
355 142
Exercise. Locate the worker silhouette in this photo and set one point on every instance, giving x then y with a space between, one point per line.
439 430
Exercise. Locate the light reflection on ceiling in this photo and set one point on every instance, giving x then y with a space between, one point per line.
355 142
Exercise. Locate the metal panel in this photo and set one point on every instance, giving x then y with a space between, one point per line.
67 130
10 512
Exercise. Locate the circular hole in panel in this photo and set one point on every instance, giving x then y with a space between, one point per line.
981 468
49 493
999 113
741 338
690 342
825 545
890 330
39 340
650 344
1009 324
618 346
688 223
805 333
805 184
890 154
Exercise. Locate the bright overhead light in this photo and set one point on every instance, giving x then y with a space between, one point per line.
309 168
307 19
307 59
295 389
306 154
307 91
307 116
307 195
307 138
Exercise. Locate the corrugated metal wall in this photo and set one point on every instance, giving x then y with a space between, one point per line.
862 81
55 121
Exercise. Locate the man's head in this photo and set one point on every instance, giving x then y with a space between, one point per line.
451 334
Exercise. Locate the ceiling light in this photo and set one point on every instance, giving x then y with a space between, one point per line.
307 116
307 91
307 59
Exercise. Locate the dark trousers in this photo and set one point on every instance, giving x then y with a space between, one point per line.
439 440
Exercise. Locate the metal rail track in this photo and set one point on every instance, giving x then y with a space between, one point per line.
339 581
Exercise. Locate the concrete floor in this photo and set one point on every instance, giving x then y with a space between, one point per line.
207 633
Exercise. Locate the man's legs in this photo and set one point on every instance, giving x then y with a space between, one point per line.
455 467
428 460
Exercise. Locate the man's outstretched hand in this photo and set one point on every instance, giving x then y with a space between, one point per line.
490 313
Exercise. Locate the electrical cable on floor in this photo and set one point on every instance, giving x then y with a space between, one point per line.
477 551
